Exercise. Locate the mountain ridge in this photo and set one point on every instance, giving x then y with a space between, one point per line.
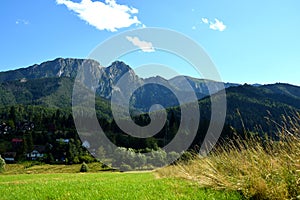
54 89
103 79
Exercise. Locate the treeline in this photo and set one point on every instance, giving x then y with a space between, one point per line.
24 129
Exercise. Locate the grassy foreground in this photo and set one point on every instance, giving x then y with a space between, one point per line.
259 168
106 185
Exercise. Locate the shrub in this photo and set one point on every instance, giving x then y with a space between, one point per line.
2 164
84 167
125 167
172 157
158 158
140 160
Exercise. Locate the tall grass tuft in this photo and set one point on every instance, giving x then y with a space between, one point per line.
257 167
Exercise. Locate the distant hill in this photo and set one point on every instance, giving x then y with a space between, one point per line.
254 106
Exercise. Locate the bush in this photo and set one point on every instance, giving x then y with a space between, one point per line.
2 164
158 158
125 167
84 167
172 157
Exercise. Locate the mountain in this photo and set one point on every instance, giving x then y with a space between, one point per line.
56 68
111 75
202 87
100 79
51 83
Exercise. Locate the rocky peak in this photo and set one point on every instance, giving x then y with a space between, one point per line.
111 76
117 69
59 67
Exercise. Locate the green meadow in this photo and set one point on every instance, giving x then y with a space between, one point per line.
103 185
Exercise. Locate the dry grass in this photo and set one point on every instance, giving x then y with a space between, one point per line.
29 168
258 168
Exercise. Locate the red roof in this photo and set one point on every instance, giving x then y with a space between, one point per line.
16 140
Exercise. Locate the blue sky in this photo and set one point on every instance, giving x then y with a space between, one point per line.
249 41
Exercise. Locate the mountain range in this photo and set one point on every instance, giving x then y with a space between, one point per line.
59 74
51 83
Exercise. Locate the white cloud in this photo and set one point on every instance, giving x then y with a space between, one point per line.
22 21
217 25
104 16
194 27
205 20
143 45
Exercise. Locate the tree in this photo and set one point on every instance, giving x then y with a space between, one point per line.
12 114
11 124
158 158
2 164
151 143
72 152
84 167
28 141
101 153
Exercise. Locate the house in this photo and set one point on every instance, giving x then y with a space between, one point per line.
9 157
16 141
38 152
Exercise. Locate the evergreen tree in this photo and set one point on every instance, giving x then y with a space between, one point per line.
12 114
84 167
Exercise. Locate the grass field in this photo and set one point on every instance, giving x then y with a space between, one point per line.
105 185
39 168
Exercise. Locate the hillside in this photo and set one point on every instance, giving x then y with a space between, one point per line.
253 107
